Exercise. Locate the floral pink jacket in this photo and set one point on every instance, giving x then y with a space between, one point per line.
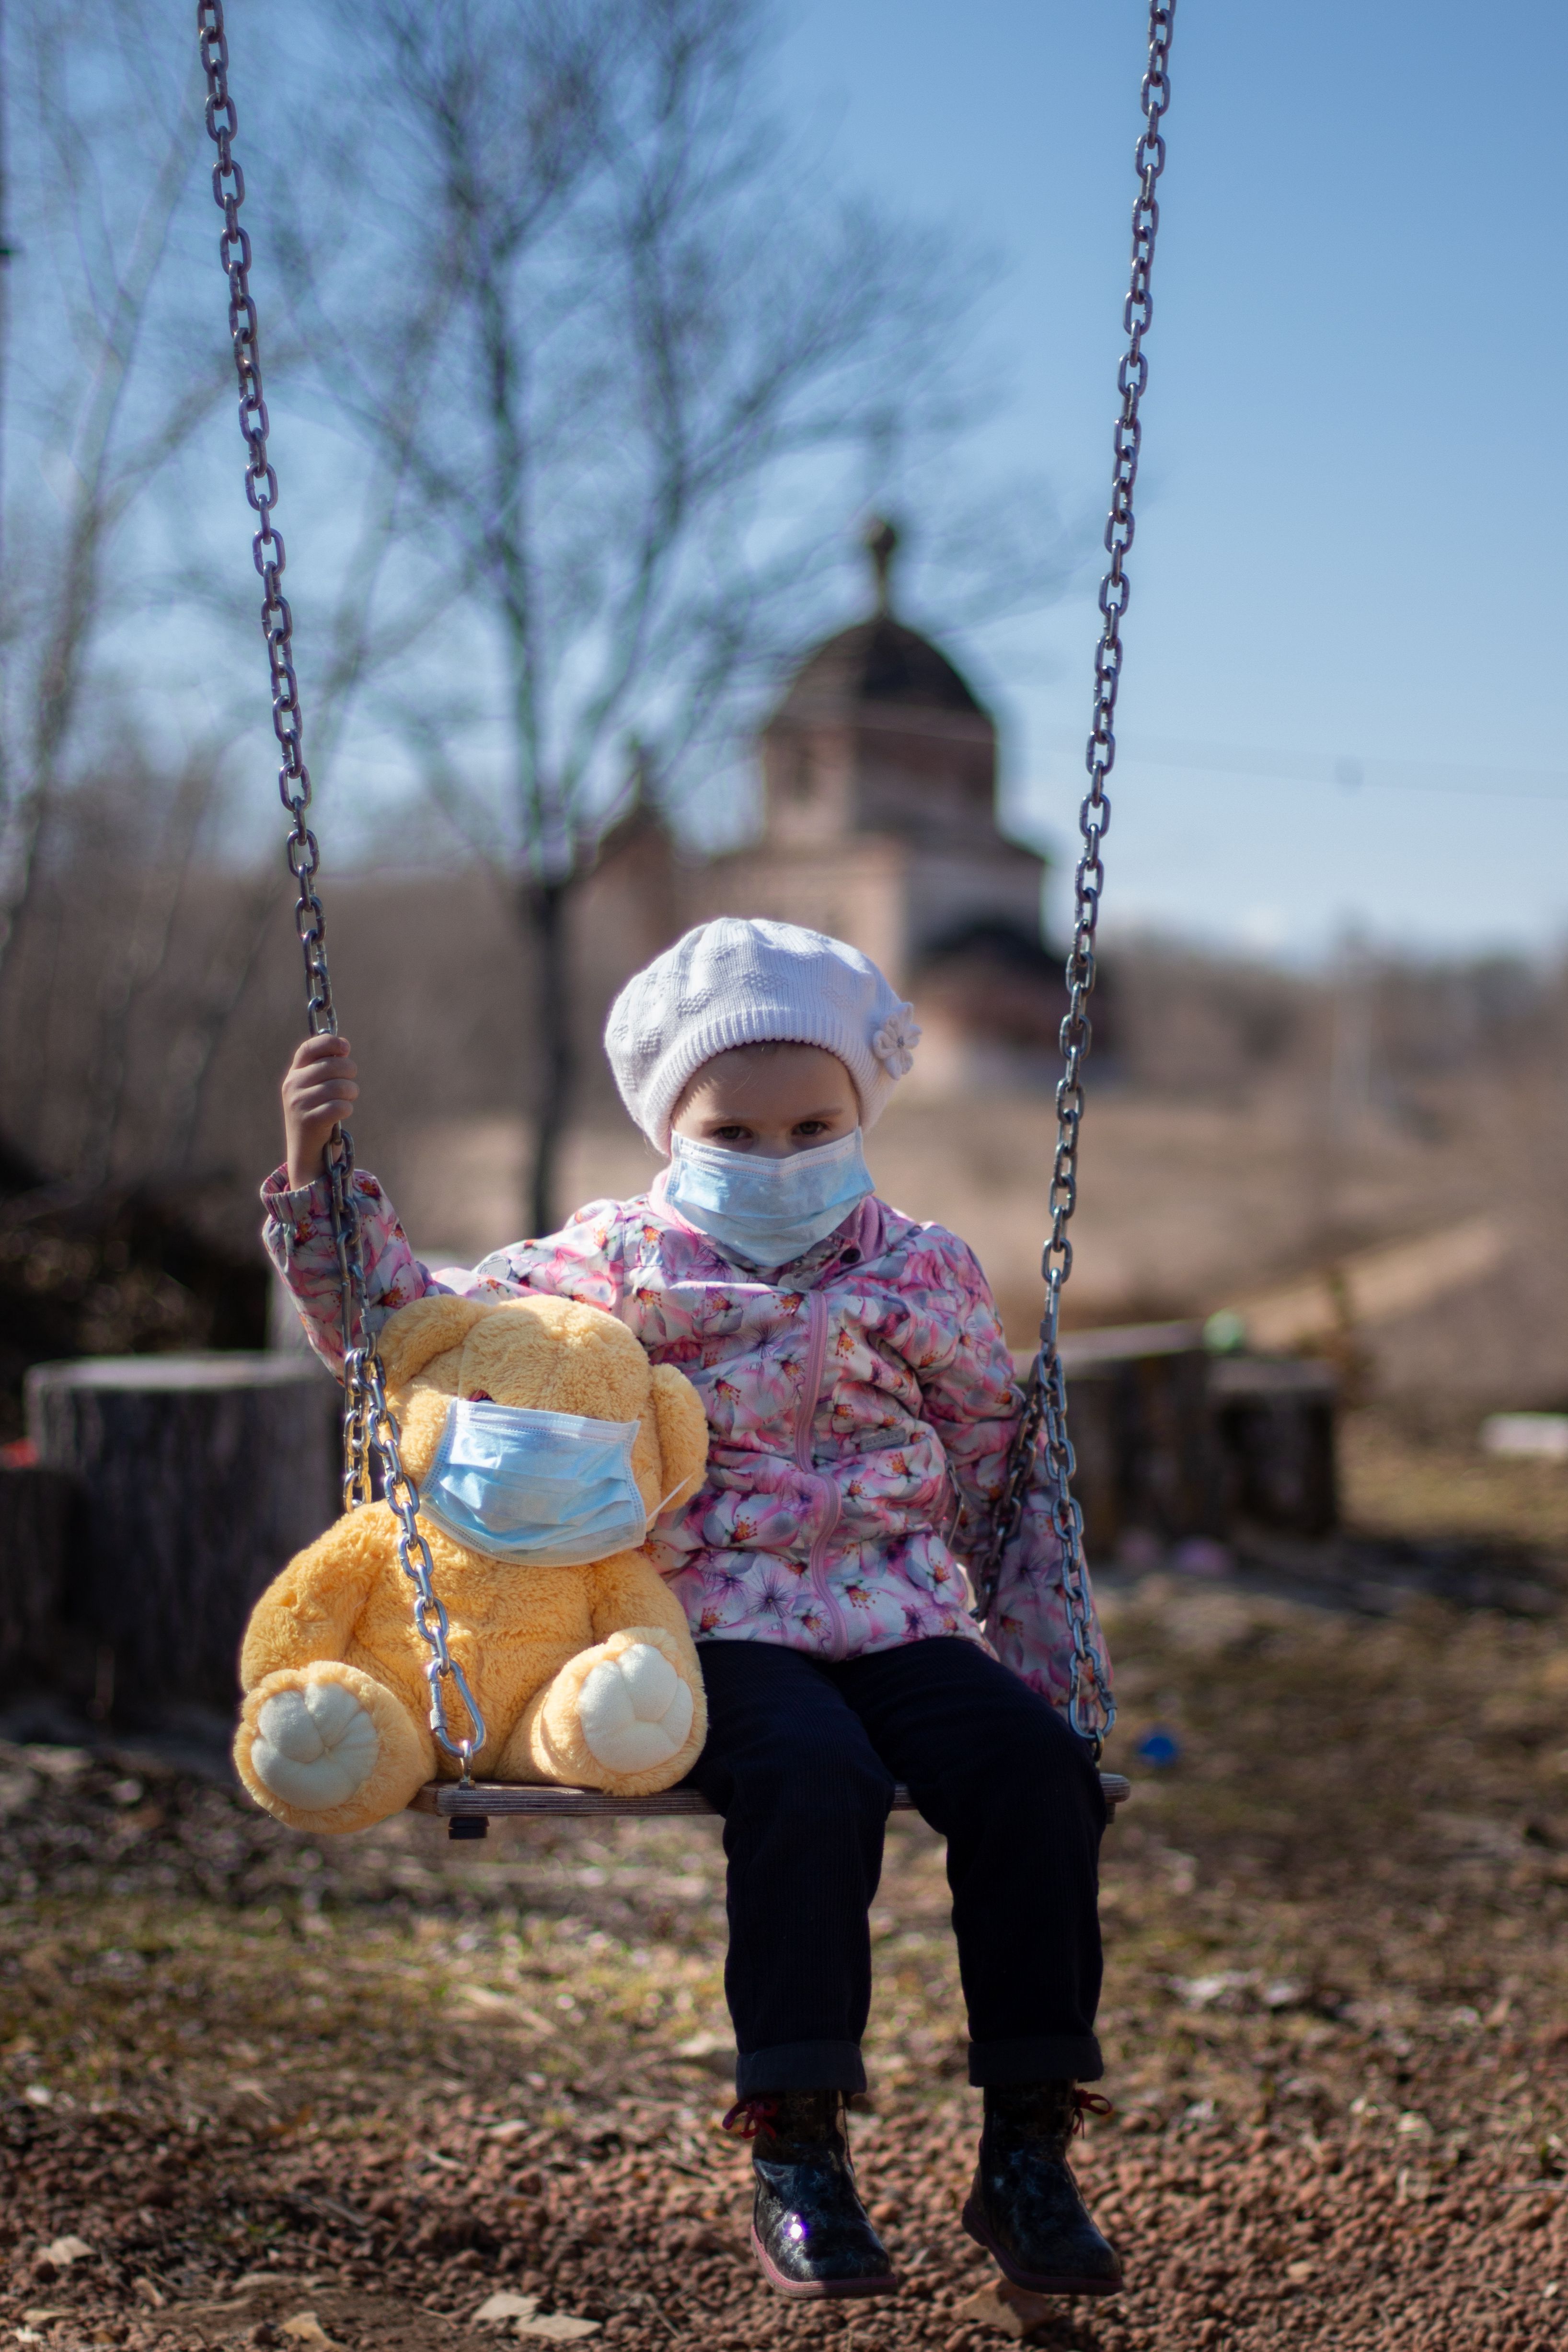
859 1415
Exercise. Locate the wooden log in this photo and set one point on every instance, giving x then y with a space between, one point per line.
36 1508
196 1478
1275 1421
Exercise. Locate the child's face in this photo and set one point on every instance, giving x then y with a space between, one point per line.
772 1101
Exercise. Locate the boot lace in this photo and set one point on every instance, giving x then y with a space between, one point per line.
1087 2103
747 2117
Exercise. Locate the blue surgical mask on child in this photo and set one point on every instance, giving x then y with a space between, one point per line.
546 1489
766 1212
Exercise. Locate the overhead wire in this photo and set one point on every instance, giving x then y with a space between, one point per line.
1346 771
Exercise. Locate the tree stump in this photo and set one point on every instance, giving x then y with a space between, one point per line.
1275 1420
35 1538
1138 1411
1173 1442
196 1478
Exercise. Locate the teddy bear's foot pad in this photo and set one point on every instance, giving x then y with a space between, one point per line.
314 1748
634 1710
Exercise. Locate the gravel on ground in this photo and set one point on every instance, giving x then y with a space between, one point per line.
259 2089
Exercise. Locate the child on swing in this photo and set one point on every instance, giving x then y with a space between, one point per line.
860 1403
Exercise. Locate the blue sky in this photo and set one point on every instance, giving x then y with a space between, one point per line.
1353 491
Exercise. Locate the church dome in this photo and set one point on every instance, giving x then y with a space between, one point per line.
880 660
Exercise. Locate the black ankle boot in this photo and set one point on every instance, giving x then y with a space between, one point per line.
1025 2207
809 2230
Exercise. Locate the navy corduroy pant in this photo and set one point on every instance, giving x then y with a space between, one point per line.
802 1758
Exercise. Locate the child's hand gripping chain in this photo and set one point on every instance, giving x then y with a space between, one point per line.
545 1444
318 1092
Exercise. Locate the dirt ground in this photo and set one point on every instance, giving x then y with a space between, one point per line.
260 2090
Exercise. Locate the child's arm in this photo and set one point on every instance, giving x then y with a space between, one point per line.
582 1262
972 1401
297 1238
320 1089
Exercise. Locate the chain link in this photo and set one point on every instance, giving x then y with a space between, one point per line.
1092 1709
370 1426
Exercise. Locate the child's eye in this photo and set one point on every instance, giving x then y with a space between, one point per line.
811 1126
731 1134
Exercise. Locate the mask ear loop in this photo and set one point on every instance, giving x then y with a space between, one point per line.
658 1511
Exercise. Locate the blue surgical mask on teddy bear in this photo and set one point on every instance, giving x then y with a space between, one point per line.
766 1212
545 1489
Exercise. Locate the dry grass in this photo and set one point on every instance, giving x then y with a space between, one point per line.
384 2076
1396 1482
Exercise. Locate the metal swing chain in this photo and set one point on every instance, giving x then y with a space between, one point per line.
370 1426
1091 1709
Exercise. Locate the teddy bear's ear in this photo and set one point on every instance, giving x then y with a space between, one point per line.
682 1432
428 1328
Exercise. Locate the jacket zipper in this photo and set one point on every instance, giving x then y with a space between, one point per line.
811 1388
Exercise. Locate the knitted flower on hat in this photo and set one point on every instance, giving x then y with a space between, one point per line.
743 981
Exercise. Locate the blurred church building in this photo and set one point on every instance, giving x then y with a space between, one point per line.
878 825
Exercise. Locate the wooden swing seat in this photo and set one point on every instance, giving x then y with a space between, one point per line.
476 1802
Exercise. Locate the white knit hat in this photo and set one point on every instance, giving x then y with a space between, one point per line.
744 981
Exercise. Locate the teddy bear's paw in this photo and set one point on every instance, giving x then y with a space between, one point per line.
314 1748
634 1710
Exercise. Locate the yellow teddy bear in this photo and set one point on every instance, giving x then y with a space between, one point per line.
543 1445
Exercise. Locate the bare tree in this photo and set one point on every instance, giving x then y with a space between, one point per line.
621 357
100 145
112 361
